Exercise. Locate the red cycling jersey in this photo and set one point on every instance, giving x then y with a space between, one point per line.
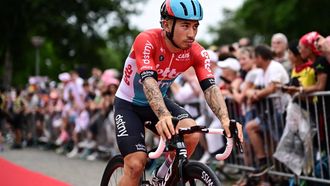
150 53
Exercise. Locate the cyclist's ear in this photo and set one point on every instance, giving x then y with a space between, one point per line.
167 24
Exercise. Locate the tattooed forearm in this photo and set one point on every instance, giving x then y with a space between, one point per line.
155 97
217 103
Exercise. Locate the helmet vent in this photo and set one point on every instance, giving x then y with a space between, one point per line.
193 4
184 9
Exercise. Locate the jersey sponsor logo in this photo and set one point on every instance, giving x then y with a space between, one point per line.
147 73
211 81
140 147
146 52
127 74
166 73
183 57
145 68
207 61
121 128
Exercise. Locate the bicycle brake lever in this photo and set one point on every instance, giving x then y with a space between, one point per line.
234 133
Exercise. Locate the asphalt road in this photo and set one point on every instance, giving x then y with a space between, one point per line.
74 171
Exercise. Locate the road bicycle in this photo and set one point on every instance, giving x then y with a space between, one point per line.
182 171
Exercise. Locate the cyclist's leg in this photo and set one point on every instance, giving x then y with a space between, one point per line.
133 168
191 140
130 139
186 120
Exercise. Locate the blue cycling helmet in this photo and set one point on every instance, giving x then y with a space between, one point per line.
182 9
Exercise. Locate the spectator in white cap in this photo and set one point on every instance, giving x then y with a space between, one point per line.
70 88
230 74
64 77
279 47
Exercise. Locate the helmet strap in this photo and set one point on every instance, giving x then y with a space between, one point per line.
170 35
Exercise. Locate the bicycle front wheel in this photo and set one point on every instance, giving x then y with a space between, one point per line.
196 173
113 171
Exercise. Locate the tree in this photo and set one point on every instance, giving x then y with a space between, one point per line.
229 30
70 29
291 17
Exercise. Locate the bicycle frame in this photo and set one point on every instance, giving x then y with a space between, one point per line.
181 170
177 143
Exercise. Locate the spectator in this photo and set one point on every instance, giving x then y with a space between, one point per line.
95 78
3 115
279 46
323 45
273 75
246 59
71 88
244 42
230 75
321 66
297 128
17 117
302 74
80 127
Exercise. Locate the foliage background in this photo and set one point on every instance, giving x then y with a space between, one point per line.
73 40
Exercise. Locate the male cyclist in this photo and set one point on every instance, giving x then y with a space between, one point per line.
157 57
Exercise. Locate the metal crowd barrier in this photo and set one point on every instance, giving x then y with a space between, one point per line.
317 106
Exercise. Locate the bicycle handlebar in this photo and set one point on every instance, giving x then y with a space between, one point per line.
223 156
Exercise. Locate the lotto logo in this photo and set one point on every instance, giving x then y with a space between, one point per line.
127 74
207 60
167 72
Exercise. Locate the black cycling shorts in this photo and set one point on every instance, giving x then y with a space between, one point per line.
130 121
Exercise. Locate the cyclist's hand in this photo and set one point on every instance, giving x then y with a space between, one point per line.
239 130
165 127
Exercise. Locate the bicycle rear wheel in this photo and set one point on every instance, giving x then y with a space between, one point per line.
113 171
196 173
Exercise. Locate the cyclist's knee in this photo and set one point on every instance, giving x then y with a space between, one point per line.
135 163
188 122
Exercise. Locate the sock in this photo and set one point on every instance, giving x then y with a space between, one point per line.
164 167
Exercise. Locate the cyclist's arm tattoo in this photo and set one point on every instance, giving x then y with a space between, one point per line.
217 103
155 97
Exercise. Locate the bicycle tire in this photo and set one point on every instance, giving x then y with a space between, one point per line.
196 173
113 171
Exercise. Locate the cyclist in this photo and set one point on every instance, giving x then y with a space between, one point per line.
157 57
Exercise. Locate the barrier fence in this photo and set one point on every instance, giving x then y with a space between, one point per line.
296 138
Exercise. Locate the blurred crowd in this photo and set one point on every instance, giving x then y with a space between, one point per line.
74 115
259 83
